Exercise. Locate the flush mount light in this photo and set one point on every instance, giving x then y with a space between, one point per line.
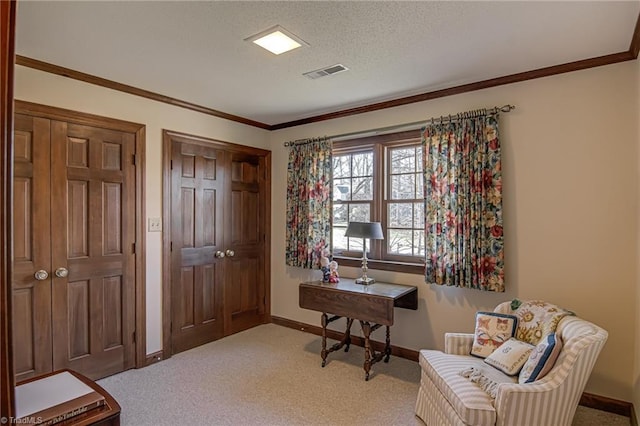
277 40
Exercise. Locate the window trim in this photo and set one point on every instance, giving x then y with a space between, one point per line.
380 145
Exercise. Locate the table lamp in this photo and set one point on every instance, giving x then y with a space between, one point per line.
364 230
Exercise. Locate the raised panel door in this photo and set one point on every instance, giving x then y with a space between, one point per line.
31 228
197 234
245 277
92 238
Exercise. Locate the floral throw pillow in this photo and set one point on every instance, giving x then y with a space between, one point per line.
510 356
537 319
541 360
492 330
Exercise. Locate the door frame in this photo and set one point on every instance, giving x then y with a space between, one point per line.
7 58
55 113
168 136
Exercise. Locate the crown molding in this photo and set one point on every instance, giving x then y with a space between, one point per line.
110 84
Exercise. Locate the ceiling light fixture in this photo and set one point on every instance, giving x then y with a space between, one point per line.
277 40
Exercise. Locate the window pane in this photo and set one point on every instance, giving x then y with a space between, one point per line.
419 158
339 240
419 186
342 166
355 244
363 164
341 189
403 160
400 242
400 215
418 215
418 243
359 212
362 188
403 187
340 215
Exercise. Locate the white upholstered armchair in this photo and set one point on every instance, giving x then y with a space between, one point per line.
446 397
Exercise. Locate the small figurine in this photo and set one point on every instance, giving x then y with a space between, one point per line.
333 272
325 261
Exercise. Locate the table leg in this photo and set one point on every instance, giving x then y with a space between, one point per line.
324 352
366 330
347 337
387 348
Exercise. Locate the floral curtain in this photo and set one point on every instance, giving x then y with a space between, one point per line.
463 202
309 207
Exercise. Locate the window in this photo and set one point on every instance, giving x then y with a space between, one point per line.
380 179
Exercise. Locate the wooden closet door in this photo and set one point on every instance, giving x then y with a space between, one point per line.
197 234
31 247
245 277
92 237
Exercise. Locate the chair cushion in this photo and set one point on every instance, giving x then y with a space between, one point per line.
492 330
471 403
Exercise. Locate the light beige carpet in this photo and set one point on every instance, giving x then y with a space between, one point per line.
271 375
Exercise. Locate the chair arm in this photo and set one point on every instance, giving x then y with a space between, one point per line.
540 399
458 343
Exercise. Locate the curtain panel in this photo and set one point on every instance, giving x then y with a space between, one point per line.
309 204
463 203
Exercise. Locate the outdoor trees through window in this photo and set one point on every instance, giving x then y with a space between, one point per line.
380 179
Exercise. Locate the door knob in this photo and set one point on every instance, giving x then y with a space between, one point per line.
62 272
41 275
230 253
219 254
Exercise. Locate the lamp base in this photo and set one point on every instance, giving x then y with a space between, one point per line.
365 281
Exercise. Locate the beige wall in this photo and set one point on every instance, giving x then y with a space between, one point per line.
570 160
49 89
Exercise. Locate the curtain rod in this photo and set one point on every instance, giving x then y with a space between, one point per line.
416 124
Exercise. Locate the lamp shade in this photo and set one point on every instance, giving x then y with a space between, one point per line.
371 230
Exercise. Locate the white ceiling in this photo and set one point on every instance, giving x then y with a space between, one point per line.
194 51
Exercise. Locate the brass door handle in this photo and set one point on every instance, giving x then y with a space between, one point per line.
41 275
62 272
219 254
230 253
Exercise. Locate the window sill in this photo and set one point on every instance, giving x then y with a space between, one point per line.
381 265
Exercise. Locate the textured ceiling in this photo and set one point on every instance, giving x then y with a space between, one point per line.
194 51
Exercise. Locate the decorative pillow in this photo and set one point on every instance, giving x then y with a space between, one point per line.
510 356
537 319
541 360
492 330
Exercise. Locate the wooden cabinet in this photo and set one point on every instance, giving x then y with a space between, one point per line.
216 247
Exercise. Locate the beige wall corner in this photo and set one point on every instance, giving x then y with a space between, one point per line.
570 167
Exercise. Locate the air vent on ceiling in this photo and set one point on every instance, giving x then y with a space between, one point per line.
323 72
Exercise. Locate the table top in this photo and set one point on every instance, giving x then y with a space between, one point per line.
373 302
392 291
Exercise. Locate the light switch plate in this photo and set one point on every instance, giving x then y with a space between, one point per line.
155 224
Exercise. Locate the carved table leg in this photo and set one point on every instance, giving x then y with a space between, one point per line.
387 348
324 352
366 330
347 338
